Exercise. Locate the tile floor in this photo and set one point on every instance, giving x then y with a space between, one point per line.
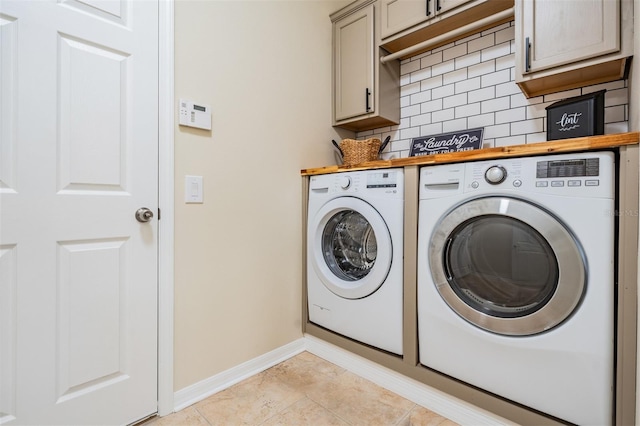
304 390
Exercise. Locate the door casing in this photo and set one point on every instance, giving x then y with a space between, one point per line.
165 201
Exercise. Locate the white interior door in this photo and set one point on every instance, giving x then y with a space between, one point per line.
78 157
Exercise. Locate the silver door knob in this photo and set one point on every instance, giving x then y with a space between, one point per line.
144 215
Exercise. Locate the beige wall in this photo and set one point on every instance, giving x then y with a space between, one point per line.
634 76
264 67
634 125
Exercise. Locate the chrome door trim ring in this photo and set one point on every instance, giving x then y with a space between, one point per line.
569 255
370 283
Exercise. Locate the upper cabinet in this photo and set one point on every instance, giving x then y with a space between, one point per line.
562 45
399 15
408 24
366 93
354 47
366 89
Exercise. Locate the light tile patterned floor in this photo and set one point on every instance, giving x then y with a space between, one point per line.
304 390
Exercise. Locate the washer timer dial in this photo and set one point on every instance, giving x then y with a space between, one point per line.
345 182
495 175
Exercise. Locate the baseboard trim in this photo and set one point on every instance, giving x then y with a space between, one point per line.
207 387
439 402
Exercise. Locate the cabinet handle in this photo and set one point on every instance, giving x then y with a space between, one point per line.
438 7
366 98
527 55
428 11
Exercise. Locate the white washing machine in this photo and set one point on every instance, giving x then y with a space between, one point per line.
354 255
516 280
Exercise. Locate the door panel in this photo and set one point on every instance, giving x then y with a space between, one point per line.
8 65
93 135
8 256
78 157
110 9
91 314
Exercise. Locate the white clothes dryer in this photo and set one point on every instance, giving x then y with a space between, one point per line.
355 255
516 280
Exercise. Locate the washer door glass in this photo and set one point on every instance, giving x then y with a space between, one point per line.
507 266
350 247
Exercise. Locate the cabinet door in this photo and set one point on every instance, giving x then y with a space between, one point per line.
354 49
442 6
560 32
398 15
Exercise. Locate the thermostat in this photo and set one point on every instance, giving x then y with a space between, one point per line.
195 115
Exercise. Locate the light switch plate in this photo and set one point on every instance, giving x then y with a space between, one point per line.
193 190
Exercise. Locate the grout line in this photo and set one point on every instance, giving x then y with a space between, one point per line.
201 415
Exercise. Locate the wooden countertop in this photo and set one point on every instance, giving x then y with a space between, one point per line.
553 147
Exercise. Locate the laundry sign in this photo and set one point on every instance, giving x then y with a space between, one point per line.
466 140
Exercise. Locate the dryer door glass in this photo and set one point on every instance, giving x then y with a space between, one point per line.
349 245
500 266
507 266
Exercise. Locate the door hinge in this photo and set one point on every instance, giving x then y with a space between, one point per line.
159 213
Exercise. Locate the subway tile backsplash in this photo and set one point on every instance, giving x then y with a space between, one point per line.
470 84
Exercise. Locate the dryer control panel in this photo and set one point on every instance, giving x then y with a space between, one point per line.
564 172
588 175
578 167
576 175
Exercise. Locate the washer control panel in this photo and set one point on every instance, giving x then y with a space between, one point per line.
388 182
382 179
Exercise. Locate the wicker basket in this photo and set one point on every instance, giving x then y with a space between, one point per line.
359 151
